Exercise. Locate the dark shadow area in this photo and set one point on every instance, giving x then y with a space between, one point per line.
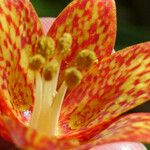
4 145
142 108
133 22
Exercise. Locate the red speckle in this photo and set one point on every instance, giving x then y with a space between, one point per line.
5 43
131 91
9 19
8 64
83 4
75 21
1 11
93 28
3 86
136 82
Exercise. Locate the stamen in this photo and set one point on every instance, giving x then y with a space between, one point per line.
50 70
50 45
41 117
43 124
42 42
65 43
36 62
46 46
55 81
48 101
50 81
86 58
38 100
56 108
49 115
72 77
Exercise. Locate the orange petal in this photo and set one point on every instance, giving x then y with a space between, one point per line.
19 30
133 127
110 88
3 130
92 25
27 138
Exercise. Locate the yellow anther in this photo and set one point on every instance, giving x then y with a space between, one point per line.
72 77
36 62
50 45
42 42
46 46
50 70
85 58
65 43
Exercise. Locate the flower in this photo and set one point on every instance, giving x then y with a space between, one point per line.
50 98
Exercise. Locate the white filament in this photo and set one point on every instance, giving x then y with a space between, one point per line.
56 108
48 103
38 100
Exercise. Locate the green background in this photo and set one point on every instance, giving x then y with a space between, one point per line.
133 23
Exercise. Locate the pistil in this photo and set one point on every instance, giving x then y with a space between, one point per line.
55 110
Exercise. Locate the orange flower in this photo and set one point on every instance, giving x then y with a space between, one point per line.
65 90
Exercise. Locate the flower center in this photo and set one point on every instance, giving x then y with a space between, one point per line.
46 66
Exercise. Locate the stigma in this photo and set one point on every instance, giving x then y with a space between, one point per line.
46 64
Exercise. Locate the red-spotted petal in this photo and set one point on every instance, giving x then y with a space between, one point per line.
92 25
26 138
19 30
110 88
133 127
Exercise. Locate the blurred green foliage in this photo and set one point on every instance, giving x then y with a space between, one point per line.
148 146
49 7
133 22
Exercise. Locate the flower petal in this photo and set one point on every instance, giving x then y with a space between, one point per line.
19 30
46 23
92 25
27 138
133 127
110 88
120 146
3 130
